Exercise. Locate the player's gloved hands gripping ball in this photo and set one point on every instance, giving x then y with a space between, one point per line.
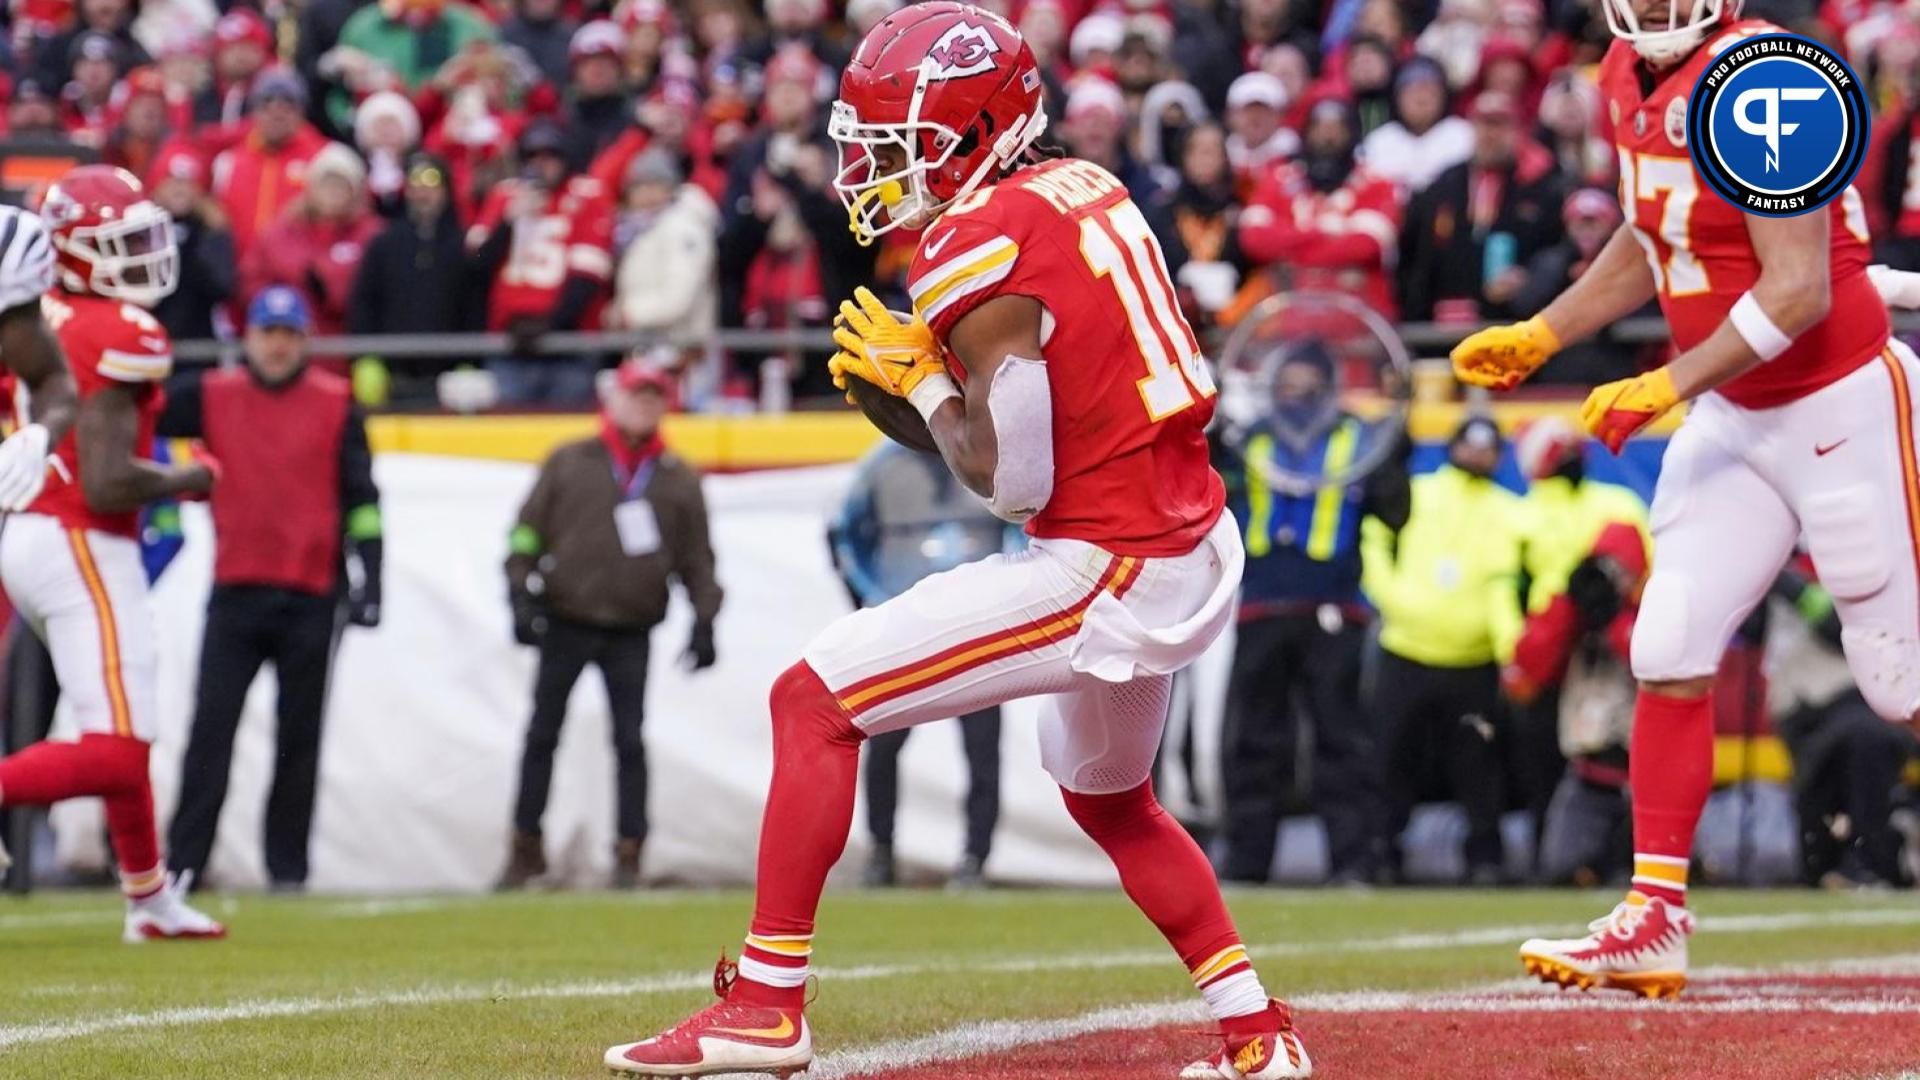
893 352
1615 410
24 462
1501 357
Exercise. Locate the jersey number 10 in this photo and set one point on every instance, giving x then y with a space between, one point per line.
1119 246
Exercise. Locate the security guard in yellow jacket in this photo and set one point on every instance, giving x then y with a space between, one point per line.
1447 588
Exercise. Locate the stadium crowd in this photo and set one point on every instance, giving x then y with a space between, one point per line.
533 166
537 165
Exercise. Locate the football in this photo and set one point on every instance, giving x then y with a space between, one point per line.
896 418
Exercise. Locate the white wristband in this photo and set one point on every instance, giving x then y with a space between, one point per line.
1761 335
931 393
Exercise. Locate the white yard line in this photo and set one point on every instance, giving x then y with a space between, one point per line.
13 1036
976 1039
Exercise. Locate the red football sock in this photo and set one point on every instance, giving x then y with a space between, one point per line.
1670 772
816 762
107 766
1169 879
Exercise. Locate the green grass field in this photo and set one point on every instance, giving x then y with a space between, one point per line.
537 985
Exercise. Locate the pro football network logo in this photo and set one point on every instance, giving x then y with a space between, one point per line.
1778 125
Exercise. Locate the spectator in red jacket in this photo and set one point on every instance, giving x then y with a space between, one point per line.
242 48
317 245
1578 647
258 178
143 115
1330 222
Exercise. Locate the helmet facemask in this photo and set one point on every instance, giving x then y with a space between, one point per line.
133 258
903 194
1666 46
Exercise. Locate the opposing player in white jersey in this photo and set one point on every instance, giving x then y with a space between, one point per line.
69 553
34 368
1801 430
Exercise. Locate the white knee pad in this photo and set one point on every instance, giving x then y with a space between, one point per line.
1846 535
1668 643
1886 665
1104 739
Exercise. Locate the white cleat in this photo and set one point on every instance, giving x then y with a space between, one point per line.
1273 1054
166 916
1640 948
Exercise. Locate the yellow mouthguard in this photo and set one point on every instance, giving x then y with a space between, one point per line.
887 194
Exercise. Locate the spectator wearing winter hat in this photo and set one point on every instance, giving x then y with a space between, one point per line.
1422 140
57 55
1255 104
599 108
318 244
665 243
1369 77
543 243
397 44
1471 234
1095 41
1569 117
178 183
32 113
414 279
1590 215
242 49
652 36
541 29
386 128
143 113
164 26
258 177
668 119
97 64
1324 220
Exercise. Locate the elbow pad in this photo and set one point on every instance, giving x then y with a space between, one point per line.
1021 404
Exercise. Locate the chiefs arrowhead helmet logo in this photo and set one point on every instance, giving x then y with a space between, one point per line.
965 49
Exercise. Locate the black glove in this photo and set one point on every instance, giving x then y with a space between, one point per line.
1594 595
699 655
529 619
363 608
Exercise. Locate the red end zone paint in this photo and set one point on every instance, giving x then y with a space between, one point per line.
1748 1028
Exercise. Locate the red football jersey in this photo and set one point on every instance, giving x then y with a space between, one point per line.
1697 242
1131 392
572 235
108 343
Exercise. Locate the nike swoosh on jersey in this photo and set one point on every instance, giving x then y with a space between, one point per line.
1823 451
783 1031
934 246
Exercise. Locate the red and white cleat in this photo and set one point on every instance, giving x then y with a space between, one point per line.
1271 1052
166 916
729 1036
1640 948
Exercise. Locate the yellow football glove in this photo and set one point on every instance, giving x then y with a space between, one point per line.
1500 357
1615 410
893 352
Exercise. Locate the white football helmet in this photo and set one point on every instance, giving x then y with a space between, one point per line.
1688 23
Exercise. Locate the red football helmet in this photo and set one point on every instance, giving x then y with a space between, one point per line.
111 239
939 97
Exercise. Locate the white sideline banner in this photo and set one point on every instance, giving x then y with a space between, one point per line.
424 723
